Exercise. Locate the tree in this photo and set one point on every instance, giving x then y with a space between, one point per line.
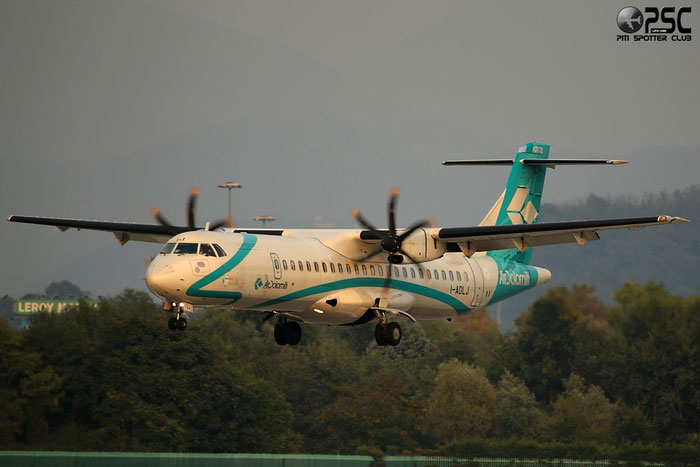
653 360
462 403
516 413
546 343
63 290
582 413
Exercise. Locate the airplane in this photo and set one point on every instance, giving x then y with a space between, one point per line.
357 276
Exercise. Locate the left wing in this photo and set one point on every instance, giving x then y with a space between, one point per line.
123 231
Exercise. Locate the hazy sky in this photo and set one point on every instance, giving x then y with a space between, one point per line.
315 106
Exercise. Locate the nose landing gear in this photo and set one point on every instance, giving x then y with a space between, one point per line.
177 322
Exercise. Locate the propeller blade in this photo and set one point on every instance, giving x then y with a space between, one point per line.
387 282
155 212
374 252
392 210
194 192
414 227
364 223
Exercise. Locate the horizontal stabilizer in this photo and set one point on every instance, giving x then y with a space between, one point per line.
551 163
479 162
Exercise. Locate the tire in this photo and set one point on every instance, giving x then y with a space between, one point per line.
182 324
393 334
293 332
280 334
380 335
172 323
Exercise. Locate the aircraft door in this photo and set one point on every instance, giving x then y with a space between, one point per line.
478 278
276 266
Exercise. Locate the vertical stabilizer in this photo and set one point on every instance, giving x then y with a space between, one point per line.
520 203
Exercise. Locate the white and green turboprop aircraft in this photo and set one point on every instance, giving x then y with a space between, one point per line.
350 277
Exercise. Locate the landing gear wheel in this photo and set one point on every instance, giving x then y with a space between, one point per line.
380 335
280 334
172 323
181 324
393 334
293 332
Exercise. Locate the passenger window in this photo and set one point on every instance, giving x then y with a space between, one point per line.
427 273
340 268
371 270
291 264
186 249
396 271
364 270
167 249
219 250
332 267
277 265
323 266
284 264
357 270
315 266
308 266
459 276
405 274
466 278
437 276
452 276
413 273
347 268
444 277
301 266
420 272
381 270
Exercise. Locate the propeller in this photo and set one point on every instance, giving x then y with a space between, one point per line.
191 201
391 240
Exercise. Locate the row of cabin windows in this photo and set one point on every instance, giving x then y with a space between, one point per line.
372 271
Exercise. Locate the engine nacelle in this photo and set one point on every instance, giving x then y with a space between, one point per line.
422 247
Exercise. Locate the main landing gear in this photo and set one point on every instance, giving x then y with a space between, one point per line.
386 333
178 321
287 332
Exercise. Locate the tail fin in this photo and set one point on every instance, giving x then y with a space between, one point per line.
520 202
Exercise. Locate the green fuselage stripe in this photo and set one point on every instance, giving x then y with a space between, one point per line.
195 289
368 282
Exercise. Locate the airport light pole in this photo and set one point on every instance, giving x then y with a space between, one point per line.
230 186
264 219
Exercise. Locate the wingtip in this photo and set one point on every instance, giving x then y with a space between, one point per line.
618 162
671 219
355 212
9 218
154 211
395 191
194 191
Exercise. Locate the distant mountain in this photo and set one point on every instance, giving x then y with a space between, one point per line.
665 254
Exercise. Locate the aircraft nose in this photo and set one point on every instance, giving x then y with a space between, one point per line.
159 279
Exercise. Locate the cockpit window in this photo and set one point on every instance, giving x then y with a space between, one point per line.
167 248
219 250
185 249
206 250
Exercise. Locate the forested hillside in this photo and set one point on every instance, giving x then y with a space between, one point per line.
575 372
665 254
